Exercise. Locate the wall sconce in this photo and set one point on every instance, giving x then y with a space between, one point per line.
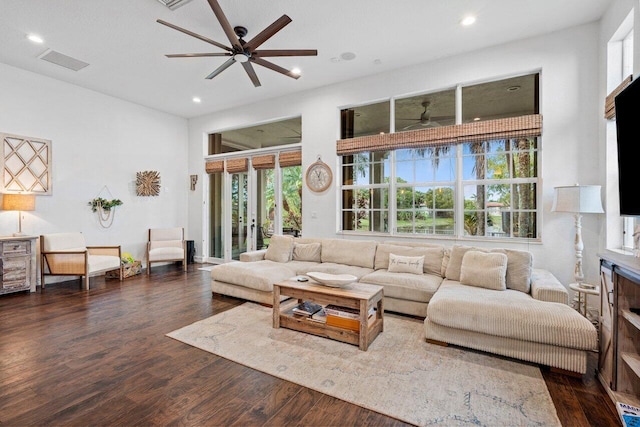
194 180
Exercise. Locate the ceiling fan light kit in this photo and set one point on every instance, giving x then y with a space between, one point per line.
241 51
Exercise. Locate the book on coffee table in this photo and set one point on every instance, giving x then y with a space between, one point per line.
307 308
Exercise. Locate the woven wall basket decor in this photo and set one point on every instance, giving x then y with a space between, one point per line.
148 183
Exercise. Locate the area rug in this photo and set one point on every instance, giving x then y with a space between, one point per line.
400 375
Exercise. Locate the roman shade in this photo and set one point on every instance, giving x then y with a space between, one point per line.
609 103
290 158
511 127
213 166
237 165
267 161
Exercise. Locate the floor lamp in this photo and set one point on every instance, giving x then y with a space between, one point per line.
19 202
578 199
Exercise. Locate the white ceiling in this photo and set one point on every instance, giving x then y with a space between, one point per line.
125 47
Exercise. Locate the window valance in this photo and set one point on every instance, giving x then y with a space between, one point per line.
237 165
511 127
214 166
609 103
267 161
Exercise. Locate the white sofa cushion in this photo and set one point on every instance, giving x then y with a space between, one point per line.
102 263
485 270
405 286
510 314
306 251
259 275
405 264
359 253
433 256
455 260
166 253
280 248
302 267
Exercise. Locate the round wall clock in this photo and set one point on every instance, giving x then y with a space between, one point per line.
319 176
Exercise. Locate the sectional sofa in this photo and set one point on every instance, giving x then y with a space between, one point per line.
489 300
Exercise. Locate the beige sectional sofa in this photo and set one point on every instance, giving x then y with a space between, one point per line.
489 300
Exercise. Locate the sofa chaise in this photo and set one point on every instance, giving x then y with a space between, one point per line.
491 300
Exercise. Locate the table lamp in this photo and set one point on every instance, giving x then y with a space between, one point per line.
578 199
19 202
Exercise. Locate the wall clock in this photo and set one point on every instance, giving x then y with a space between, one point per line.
319 176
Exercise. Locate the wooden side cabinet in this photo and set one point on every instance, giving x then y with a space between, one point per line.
17 264
619 333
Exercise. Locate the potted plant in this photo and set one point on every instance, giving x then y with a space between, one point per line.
104 209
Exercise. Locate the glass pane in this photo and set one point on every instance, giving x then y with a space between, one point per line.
444 222
216 198
524 162
512 97
524 224
348 220
425 111
474 223
423 221
524 196
292 200
404 221
444 197
425 169
404 198
473 197
365 120
446 169
379 221
266 206
497 167
238 214
404 171
380 198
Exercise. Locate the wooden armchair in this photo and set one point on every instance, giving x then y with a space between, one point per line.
166 245
66 254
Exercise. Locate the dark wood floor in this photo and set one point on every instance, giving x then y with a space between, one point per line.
70 357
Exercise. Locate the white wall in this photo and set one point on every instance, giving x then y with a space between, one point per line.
97 140
570 104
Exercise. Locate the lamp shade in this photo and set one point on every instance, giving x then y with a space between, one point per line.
577 199
18 202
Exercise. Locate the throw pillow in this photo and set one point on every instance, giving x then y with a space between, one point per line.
306 251
406 264
432 256
484 270
280 248
455 260
519 269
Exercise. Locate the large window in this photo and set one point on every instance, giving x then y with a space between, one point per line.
477 188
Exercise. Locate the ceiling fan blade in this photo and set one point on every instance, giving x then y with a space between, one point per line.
274 67
285 52
195 55
192 34
251 73
224 23
221 68
268 32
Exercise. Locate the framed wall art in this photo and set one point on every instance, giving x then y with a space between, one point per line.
26 164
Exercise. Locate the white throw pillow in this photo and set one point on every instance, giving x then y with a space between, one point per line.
484 270
306 251
280 248
406 264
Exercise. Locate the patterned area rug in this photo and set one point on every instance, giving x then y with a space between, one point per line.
400 375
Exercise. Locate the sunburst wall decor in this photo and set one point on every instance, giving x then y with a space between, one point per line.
147 183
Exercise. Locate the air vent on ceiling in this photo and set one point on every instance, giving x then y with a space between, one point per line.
174 4
63 60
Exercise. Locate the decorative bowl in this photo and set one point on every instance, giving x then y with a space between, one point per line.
333 280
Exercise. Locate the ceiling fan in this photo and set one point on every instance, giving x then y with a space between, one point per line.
246 53
425 120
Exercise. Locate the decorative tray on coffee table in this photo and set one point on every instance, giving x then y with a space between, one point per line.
332 280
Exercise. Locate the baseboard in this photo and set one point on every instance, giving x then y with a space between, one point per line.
440 343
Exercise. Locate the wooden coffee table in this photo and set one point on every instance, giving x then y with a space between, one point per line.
360 296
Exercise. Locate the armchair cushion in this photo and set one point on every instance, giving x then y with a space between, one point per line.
166 254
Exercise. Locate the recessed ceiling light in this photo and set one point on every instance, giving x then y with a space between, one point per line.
348 56
377 61
197 100
513 88
35 38
296 71
475 119
468 20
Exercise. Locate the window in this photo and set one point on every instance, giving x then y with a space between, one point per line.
448 186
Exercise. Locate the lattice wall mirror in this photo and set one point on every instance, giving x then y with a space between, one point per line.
26 164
